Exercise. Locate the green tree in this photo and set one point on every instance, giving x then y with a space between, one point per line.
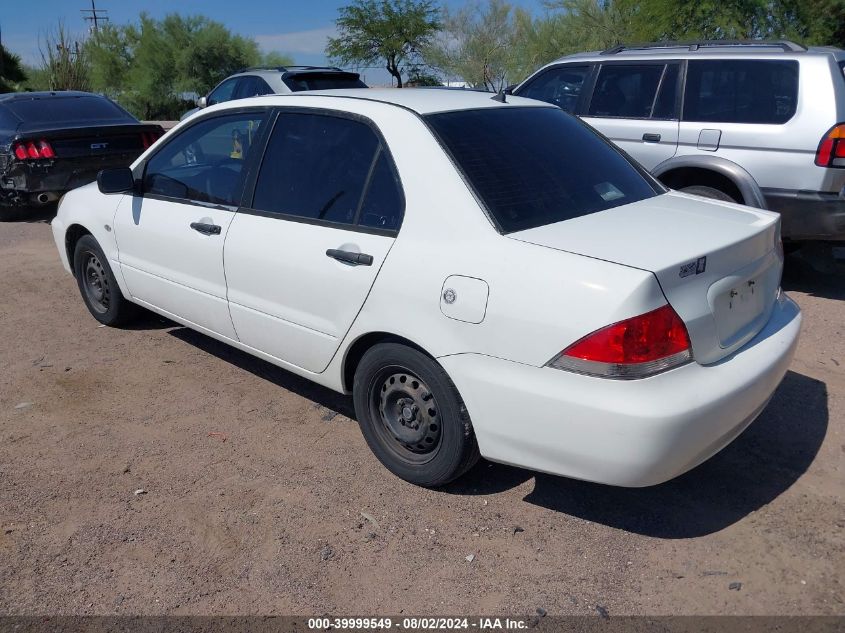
392 32
147 66
12 74
273 59
477 44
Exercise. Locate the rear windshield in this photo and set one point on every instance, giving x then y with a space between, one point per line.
536 166
66 109
323 81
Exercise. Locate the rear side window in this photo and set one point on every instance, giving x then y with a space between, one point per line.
533 166
741 91
251 86
323 81
561 86
626 91
328 169
67 109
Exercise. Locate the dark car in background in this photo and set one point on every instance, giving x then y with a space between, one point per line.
51 142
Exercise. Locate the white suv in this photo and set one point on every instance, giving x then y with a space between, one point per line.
753 122
279 80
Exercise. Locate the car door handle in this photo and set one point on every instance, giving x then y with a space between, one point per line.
651 138
205 229
348 257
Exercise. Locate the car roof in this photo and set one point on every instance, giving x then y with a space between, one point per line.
781 49
418 100
28 96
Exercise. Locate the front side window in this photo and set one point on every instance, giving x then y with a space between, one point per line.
532 166
206 162
223 92
560 86
741 91
626 91
328 169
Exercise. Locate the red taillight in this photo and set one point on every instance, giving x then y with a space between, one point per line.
637 347
33 150
46 150
831 150
148 138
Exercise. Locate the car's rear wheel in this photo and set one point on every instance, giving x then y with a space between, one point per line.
98 286
412 416
708 192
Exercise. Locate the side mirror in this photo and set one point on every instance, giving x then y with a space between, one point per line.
116 180
509 90
202 102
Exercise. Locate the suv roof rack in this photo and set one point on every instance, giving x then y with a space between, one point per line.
285 69
785 45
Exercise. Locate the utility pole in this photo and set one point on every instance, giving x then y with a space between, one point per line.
96 16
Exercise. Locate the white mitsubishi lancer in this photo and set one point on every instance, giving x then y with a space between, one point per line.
485 278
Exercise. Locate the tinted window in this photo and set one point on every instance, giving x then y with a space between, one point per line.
383 205
664 106
315 167
66 109
537 166
625 91
560 86
323 81
223 92
739 91
251 87
205 163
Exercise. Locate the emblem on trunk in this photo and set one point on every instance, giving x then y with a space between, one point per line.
693 268
99 145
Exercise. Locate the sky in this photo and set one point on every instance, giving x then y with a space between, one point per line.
299 28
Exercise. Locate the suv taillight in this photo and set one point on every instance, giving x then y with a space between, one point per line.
831 150
33 150
641 346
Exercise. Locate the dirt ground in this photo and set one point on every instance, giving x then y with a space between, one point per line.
261 496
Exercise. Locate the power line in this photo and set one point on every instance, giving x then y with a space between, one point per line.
97 16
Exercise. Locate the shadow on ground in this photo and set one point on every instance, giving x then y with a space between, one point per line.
751 472
320 395
814 271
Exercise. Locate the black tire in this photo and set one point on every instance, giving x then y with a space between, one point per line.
98 286
709 192
432 445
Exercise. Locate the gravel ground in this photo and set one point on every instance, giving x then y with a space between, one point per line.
260 495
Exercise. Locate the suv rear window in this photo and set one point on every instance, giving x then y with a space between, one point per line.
323 81
533 166
50 109
741 91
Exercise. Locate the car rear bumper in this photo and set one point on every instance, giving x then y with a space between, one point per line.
809 215
625 433
22 182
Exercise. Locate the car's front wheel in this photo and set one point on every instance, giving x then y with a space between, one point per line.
97 285
412 416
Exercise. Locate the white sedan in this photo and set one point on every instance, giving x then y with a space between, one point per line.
484 278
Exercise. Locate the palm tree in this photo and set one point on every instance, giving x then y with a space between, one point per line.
11 72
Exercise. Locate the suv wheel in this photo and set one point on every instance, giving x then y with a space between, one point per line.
709 192
412 416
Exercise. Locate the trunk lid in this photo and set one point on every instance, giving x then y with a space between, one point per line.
716 262
92 141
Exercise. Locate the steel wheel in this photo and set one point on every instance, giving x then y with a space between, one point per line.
96 283
408 415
